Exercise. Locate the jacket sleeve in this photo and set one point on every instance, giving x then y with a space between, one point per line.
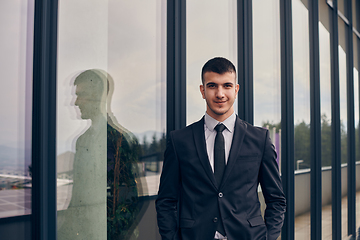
271 186
168 195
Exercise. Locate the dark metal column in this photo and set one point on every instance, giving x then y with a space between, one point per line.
245 60
44 121
336 124
176 64
315 121
287 118
351 169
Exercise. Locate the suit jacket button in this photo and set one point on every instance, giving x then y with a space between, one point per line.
221 194
215 219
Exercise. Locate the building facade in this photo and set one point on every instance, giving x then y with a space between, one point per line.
91 89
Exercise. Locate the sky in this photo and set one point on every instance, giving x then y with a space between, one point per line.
127 39
16 26
211 32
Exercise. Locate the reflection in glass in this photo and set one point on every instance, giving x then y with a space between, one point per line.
16 27
266 55
325 101
266 64
357 127
211 32
343 120
111 118
341 6
354 6
301 119
85 215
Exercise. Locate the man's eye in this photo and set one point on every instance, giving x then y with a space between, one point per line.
228 85
211 85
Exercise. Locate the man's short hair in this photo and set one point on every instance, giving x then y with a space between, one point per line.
217 65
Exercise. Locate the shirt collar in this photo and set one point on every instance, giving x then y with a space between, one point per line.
229 123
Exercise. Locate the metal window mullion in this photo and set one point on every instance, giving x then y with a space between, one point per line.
176 64
351 170
287 118
44 121
315 121
245 60
335 126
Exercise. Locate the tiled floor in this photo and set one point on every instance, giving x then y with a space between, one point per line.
15 202
302 222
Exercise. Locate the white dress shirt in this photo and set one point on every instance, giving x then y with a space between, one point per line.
210 134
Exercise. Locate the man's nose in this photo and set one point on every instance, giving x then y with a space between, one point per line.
220 93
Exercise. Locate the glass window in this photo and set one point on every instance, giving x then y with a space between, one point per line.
266 55
354 5
211 31
266 63
357 123
343 120
111 117
341 6
301 118
16 26
325 100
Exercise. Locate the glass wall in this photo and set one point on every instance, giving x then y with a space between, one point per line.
211 31
266 64
16 27
341 6
301 118
111 106
111 117
343 120
357 123
325 101
354 15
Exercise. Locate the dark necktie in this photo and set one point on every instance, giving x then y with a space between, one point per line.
219 153
219 165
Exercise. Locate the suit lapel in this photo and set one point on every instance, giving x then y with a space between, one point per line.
199 137
238 138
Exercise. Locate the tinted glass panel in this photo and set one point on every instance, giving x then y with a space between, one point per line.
357 142
266 53
343 119
211 31
301 118
16 27
325 95
341 6
111 117
266 63
354 5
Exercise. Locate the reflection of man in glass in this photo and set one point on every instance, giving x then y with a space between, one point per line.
212 169
85 217
104 195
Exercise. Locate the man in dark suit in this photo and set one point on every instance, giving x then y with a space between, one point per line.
212 169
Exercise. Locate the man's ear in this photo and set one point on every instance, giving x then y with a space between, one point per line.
237 87
202 90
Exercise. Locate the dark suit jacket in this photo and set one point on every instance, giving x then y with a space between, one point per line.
190 202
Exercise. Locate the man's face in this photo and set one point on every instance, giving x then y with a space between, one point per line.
219 91
88 100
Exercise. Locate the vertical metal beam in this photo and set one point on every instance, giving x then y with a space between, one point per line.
351 170
315 121
44 121
176 64
245 60
287 117
335 119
